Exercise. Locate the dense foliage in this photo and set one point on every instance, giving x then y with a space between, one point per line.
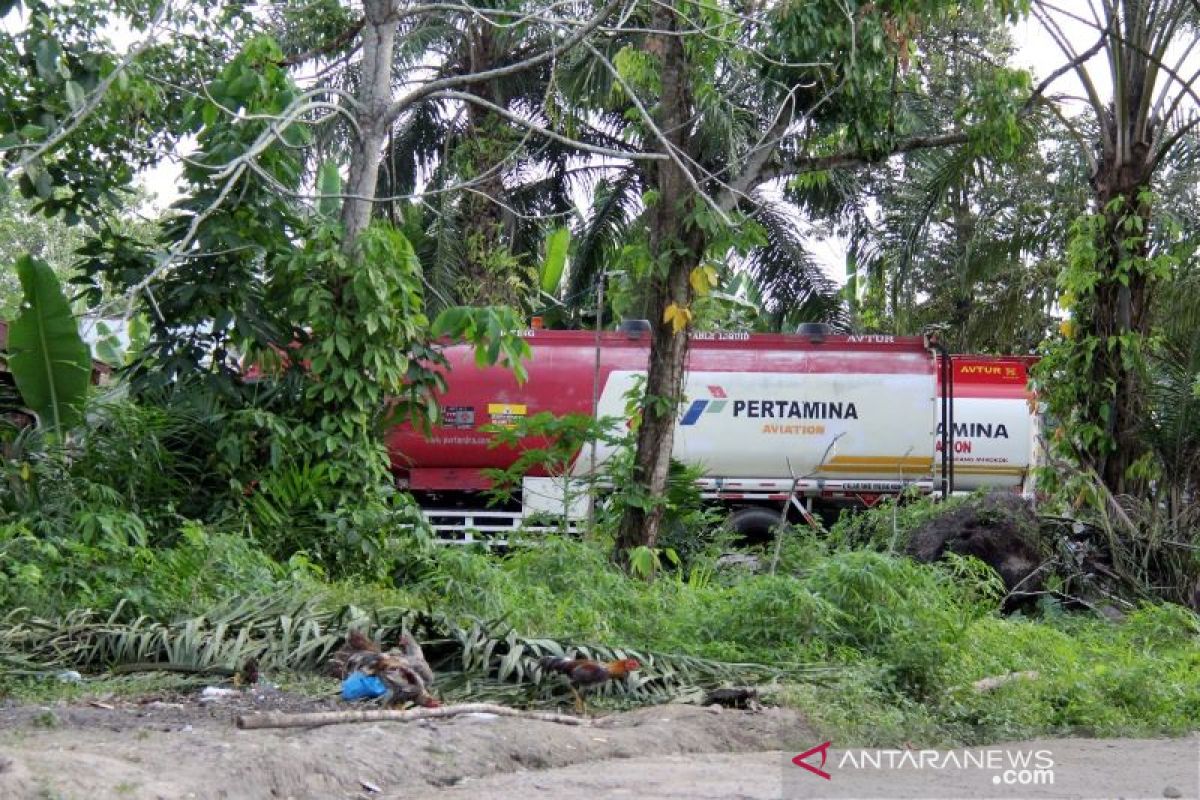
874 646
360 186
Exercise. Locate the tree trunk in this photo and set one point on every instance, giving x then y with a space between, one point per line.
488 226
679 246
1120 308
375 94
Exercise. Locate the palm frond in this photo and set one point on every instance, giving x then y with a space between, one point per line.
794 284
284 632
415 146
447 258
616 204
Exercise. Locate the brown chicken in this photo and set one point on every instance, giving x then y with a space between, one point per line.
583 673
416 658
404 679
355 642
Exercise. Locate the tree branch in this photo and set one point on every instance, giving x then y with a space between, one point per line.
660 136
336 43
549 134
851 158
454 81
1074 63
1085 78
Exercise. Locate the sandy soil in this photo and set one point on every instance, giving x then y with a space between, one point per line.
176 747
1112 768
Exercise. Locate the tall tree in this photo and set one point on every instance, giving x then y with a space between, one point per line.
1128 138
939 236
463 173
677 243
748 99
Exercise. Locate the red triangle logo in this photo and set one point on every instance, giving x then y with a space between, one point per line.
822 749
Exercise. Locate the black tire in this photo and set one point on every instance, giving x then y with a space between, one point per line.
754 524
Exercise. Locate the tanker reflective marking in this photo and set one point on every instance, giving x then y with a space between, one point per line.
856 469
909 461
869 464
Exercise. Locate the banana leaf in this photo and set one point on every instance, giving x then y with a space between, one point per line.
49 361
557 244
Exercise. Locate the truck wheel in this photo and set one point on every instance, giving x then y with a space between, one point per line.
754 524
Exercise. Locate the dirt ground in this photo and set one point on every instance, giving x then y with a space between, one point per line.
177 747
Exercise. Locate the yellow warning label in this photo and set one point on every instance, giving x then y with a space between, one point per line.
506 413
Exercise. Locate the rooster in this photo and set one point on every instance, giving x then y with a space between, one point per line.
584 673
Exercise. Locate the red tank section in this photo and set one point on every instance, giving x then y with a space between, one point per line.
991 376
995 423
562 380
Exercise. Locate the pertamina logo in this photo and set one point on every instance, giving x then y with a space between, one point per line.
698 407
772 408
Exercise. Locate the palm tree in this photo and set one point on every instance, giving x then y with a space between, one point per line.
781 274
474 191
1128 140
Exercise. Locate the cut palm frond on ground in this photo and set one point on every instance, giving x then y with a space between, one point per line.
474 662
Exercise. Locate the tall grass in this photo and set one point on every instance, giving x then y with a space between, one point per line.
912 638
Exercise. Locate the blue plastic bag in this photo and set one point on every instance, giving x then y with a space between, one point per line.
360 686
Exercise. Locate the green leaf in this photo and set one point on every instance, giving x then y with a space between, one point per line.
329 187
557 244
49 361
108 346
450 322
46 54
75 95
642 561
39 179
31 131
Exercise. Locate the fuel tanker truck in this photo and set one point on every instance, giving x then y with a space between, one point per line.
815 419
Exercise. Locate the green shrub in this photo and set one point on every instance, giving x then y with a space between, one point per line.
109 562
887 526
909 614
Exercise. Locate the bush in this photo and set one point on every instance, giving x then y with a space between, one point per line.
912 637
109 563
911 616
887 526
1093 677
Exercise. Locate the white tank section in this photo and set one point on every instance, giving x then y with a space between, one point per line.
773 427
992 442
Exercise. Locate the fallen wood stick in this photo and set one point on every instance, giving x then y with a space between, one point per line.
273 719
